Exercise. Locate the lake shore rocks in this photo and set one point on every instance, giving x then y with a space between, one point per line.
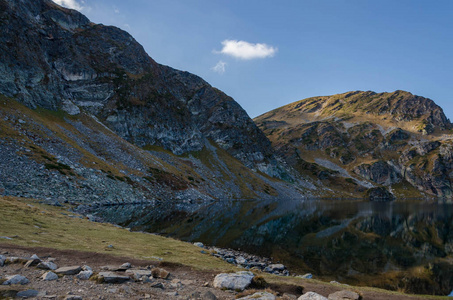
247 261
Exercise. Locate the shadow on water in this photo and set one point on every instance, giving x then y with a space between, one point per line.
401 245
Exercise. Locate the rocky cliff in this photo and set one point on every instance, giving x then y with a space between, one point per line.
357 143
85 109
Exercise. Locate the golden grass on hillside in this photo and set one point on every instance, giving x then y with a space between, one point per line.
32 224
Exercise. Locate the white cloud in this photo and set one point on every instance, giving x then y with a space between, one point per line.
219 67
245 50
74 4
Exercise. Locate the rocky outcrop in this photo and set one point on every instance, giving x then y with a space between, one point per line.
104 123
381 138
379 172
56 58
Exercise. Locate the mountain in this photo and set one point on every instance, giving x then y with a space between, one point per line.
378 145
87 115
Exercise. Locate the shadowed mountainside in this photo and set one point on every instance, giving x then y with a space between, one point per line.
87 115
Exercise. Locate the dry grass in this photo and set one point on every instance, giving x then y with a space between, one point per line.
34 224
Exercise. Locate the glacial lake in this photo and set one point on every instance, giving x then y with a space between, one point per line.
399 245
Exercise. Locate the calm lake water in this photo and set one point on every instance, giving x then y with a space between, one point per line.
400 245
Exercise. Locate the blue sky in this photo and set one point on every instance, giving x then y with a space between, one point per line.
277 52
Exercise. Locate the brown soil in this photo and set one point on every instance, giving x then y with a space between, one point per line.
183 283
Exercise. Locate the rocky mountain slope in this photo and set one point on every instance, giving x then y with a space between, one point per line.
87 115
382 145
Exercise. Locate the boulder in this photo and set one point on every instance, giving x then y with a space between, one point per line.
306 276
198 244
160 273
111 277
312 296
27 294
84 275
139 274
233 281
47 265
379 194
87 268
125 266
2 260
49 276
260 296
158 285
33 261
73 270
73 297
16 279
344 295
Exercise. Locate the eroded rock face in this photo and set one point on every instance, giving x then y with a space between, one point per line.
54 58
379 172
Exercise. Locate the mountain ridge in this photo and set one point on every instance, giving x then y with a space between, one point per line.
362 142
101 121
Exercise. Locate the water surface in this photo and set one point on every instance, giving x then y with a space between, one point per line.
405 245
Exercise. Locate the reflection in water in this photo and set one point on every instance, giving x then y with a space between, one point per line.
395 245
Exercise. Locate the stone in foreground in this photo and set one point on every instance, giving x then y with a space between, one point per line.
73 270
138 274
259 296
85 275
233 281
27 294
47 265
16 279
160 273
344 295
312 296
111 277
49 276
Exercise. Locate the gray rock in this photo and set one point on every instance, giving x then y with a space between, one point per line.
49 276
312 296
158 285
233 281
84 275
199 244
2 260
277 267
16 279
27 294
111 277
87 268
126 266
241 260
139 274
72 270
70 108
73 297
209 296
260 296
344 295
306 276
47 265
230 260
